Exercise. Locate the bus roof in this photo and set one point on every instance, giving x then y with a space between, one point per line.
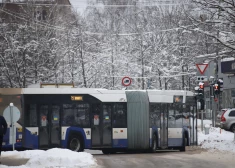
10 91
165 96
102 94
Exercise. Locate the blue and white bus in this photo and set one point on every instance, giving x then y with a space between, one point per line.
107 120
8 96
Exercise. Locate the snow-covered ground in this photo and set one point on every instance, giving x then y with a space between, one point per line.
217 139
52 158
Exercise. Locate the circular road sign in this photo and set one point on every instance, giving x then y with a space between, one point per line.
126 81
11 117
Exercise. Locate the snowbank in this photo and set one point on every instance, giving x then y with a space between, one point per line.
53 158
205 122
217 139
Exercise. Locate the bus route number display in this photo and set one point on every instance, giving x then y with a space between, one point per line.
178 99
76 98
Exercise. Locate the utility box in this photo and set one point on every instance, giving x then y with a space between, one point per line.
207 128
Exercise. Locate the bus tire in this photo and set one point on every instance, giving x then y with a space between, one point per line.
75 143
106 151
154 144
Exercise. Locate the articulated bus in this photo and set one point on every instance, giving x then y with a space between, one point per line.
107 120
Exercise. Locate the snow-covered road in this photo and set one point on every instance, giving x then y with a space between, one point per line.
218 144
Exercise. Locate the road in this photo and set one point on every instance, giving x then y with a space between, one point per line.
192 158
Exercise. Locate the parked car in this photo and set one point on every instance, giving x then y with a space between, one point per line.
227 120
218 118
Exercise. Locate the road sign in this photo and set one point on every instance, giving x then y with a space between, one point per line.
201 78
202 68
126 81
11 116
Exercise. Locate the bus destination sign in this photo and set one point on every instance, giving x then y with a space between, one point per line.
76 98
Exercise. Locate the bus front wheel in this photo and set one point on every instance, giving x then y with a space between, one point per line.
75 143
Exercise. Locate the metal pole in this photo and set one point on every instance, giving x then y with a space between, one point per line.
12 126
213 112
202 120
196 126
234 136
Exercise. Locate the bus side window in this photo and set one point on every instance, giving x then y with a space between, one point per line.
154 117
120 115
31 117
76 115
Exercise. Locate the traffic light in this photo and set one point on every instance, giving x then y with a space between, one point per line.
201 88
202 102
216 88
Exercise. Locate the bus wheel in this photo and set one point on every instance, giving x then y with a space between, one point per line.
75 144
154 144
106 151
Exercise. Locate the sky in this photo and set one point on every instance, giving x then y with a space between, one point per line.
79 5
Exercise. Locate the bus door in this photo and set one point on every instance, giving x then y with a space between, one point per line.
101 130
49 126
164 127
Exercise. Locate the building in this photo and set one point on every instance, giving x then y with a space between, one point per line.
18 10
222 70
227 73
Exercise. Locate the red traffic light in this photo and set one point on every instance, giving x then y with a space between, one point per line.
201 85
216 87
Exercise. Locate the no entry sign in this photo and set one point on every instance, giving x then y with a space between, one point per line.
126 81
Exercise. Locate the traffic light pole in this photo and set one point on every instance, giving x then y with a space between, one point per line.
202 120
213 111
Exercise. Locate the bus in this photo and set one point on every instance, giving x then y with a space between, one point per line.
8 96
107 120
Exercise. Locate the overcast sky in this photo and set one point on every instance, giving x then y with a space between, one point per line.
79 5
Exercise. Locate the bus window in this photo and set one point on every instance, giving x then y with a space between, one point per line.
76 115
120 115
31 116
171 116
154 117
178 115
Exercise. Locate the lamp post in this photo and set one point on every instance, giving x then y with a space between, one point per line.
184 69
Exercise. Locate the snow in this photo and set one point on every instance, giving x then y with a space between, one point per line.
52 158
217 139
205 122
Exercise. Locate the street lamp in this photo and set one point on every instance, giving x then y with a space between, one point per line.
184 69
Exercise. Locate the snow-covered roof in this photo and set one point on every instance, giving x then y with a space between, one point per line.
227 59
